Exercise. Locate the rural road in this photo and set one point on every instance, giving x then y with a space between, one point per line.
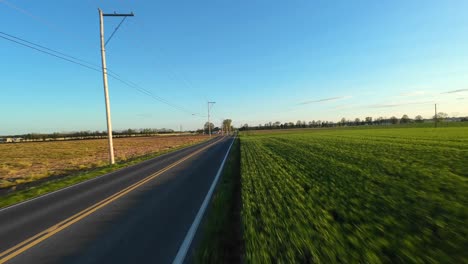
140 214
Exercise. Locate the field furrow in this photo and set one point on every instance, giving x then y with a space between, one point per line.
382 196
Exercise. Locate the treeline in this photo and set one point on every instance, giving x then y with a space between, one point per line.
90 134
405 119
226 127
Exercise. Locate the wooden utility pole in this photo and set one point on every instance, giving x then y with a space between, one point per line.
104 79
209 124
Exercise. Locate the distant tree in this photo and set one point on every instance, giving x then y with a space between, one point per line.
357 121
277 124
405 119
379 120
97 133
418 119
208 126
299 123
441 116
343 121
129 132
227 127
394 120
369 120
146 131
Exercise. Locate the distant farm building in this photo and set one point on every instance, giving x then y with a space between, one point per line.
454 119
10 140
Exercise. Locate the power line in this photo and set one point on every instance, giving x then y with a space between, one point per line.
40 19
75 60
51 54
150 94
184 80
22 11
169 68
58 52
93 66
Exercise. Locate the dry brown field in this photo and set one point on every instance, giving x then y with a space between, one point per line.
27 162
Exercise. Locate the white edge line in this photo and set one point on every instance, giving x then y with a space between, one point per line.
182 253
93 179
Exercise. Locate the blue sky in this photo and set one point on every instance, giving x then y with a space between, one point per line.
259 60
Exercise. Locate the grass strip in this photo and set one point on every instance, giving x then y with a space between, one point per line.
221 240
56 184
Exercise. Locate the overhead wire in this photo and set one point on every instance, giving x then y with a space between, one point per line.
51 54
40 19
94 67
184 80
149 93
55 51
171 72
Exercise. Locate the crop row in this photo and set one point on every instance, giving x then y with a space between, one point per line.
350 197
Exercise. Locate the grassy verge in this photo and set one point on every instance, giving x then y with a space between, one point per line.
221 241
56 184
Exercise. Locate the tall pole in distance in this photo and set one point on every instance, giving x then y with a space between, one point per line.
106 88
209 124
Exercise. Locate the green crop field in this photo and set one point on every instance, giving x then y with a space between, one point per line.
360 195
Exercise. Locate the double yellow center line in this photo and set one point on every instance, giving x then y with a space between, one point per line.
38 238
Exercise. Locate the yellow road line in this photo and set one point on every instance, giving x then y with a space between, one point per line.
38 238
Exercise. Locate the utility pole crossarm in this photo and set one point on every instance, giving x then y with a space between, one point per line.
115 14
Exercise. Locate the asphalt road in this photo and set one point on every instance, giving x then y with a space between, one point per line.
140 214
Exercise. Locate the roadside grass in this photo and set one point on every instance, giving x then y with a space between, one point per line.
17 196
221 240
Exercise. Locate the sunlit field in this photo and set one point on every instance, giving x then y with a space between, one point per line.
26 162
395 195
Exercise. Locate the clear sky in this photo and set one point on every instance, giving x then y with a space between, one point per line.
259 60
